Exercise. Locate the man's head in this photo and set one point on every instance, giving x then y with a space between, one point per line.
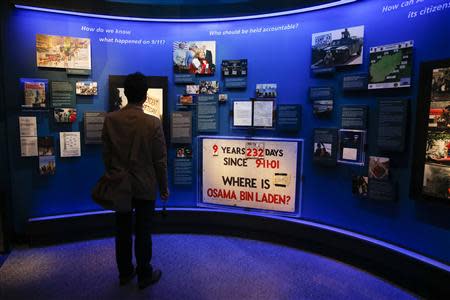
136 88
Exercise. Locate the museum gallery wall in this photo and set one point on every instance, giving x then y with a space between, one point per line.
341 82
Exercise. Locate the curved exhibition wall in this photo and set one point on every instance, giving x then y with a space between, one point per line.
278 50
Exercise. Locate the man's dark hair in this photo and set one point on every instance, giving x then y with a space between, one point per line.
136 87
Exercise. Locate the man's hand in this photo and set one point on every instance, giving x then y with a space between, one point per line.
165 195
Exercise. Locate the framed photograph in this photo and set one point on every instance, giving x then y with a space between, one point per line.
184 152
65 115
186 99
46 146
430 178
352 146
391 66
325 145
195 57
234 68
208 87
440 84
379 168
156 103
86 88
360 186
192 89
64 52
340 47
47 165
266 90
323 109
223 98
35 92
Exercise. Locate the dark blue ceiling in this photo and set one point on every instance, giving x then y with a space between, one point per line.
185 9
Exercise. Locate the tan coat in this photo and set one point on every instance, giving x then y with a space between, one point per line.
148 168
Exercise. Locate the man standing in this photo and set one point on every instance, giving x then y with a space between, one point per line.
147 166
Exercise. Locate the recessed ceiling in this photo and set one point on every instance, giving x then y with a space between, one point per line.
183 9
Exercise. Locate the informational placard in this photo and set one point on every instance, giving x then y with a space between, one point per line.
62 94
207 113
263 113
355 82
325 146
288 117
235 73
392 118
382 190
27 126
250 173
321 93
354 116
183 171
28 146
93 126
70 145
242 113
181 127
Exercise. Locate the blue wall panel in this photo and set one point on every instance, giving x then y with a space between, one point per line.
281 57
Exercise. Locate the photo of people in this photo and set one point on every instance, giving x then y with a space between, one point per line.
440 85
436 181
47 165
337 47
322 149
266 90
192 89
46 146
208 87
439 116
184 152
379 167
223 98
360 186
86 88
65 115
197 57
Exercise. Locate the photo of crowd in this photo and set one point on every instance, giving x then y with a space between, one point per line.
86 88
208 87
194 57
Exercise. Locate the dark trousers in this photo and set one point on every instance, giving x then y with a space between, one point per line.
144 211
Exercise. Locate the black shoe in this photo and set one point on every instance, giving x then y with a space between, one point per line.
124 280
146 281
